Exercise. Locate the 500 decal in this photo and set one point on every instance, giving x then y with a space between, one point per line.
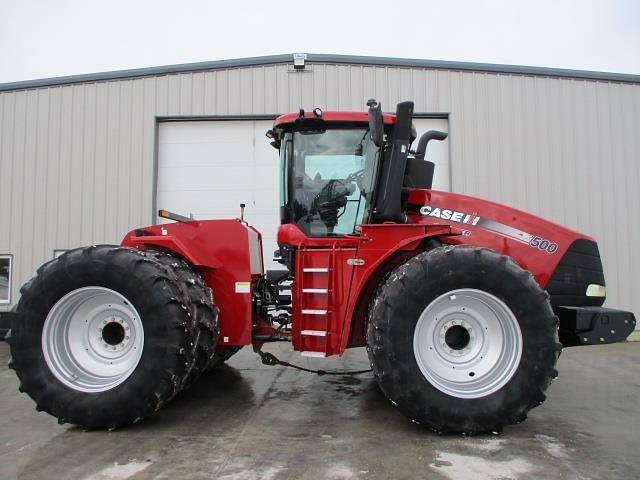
544 245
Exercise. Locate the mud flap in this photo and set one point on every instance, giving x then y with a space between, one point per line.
593 325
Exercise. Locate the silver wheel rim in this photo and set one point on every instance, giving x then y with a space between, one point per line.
92 339
467 343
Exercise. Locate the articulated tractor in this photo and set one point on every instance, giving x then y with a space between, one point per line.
463 304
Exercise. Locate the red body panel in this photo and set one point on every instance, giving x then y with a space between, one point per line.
349 261
335 276
517 240
469 220
332 116
220 249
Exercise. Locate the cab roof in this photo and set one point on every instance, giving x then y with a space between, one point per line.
331 116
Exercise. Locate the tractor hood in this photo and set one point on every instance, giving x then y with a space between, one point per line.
564 262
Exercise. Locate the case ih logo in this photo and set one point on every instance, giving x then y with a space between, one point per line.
453 215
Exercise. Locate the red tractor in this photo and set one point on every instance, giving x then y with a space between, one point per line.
463 304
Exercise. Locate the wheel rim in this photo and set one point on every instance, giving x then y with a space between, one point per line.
467 343
92 339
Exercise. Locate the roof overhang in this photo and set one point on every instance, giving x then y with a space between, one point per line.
322 58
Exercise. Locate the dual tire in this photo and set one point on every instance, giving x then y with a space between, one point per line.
106 335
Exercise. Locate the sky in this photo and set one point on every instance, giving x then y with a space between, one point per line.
40 39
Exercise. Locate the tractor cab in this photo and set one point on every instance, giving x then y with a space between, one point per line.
339 170
328 166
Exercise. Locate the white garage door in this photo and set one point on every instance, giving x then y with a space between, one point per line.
208 168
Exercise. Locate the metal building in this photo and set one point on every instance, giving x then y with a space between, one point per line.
84 159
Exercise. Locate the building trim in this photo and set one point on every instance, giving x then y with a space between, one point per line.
322 58
215 118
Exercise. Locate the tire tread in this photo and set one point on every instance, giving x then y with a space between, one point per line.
157 292
392 365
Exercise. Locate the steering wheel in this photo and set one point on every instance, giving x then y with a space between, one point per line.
331 198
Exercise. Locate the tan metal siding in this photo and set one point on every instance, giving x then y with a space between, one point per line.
77 162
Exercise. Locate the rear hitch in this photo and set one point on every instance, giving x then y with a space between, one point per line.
270 359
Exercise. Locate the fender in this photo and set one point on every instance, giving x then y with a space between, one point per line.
181 238
173 244
204 244
383 247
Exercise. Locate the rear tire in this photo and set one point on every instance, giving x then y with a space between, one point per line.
70 330
461 339
203 310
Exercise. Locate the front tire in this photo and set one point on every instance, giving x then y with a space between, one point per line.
103 336
462 339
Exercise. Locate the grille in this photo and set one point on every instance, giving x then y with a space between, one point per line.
579 267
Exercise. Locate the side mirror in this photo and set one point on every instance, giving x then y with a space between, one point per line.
272 135
376 123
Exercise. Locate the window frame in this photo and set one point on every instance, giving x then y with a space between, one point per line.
287 216
10 278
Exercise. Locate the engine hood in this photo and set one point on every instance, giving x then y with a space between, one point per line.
536 244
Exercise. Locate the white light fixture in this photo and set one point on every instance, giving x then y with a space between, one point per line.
595 290
299 60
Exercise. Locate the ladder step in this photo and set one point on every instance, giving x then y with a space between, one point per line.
315 290
315 270
314 333
313 354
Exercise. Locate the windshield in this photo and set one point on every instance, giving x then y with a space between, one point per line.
332 173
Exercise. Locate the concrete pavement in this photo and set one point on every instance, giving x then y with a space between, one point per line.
249 421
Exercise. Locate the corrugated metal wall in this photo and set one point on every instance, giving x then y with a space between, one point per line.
77 162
